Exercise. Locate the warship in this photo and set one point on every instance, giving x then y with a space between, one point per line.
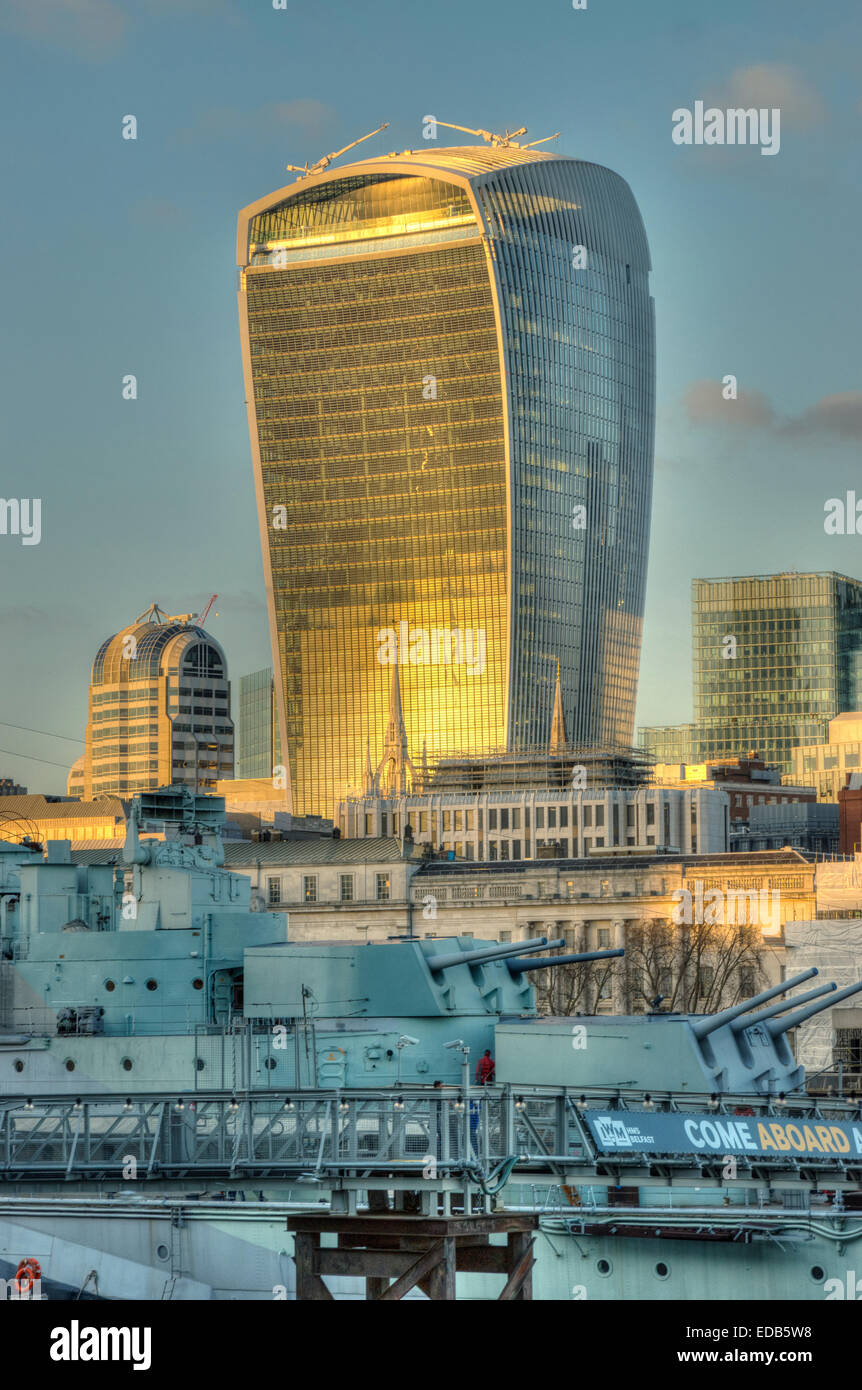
179 1082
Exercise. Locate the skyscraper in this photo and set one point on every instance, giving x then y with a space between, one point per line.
257 725
449 364
159 711
775 657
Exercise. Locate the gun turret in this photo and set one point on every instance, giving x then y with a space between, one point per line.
486 953
542 962
750 1020
783 1025
701 1027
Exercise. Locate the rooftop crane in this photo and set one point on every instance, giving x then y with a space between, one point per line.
506 140
324 162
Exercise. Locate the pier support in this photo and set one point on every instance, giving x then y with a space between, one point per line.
397 1252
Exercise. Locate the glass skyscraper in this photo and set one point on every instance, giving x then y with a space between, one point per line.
775 657
257 725
449 364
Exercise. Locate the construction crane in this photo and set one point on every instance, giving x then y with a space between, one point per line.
304 170
203 617
506 140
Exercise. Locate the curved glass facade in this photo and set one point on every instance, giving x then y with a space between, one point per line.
436 384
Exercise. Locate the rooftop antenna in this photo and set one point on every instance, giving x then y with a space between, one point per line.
324 162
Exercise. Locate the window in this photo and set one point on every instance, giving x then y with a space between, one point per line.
540 817
423 822
459 820
369 822
383 888
746 981
564 817
552 817
516 818
705 977
492 849
588 815
469 821
650 818
492 820
516 849
447 821
600 815
604 938
309 888
273 890
346 888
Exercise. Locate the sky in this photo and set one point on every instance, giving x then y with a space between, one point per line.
119 257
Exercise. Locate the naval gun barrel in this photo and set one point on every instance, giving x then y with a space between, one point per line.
749 1020
542 962
703 1026
781 1025
483 953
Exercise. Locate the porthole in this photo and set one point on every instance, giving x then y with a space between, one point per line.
269 1063
127 1064
197 984
162 1252
818 1274
200 1063
70 1065
604 1268
661 1270
110 986
19 1065
152 984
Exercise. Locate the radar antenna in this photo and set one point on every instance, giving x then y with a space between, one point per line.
499 141
323 163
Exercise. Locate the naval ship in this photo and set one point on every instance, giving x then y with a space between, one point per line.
177 1077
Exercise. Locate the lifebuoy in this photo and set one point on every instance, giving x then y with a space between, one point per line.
28 1272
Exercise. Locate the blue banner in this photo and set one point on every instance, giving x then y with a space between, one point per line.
664 1132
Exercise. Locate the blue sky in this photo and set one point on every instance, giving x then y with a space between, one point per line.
119 256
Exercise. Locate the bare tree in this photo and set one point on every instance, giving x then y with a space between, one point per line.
697 968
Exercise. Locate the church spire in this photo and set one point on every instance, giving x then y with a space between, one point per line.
392 770
369 774
559 738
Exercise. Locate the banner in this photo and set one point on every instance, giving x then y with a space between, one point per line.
626 1131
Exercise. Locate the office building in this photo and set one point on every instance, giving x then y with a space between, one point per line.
775 657
159 710
449 367
258 738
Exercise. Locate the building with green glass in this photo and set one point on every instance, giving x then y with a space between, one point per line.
775 657
257 726
449 366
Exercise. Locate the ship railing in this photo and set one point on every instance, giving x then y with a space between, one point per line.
412 1133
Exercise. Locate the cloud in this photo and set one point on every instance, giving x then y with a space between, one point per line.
705 405
774 84
838 416
230 123
832 417
89 28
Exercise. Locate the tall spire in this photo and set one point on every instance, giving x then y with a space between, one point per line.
559 738
369 774
391 775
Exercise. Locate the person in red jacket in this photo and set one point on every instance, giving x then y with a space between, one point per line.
485 1069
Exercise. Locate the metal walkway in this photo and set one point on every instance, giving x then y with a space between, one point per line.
408 1138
